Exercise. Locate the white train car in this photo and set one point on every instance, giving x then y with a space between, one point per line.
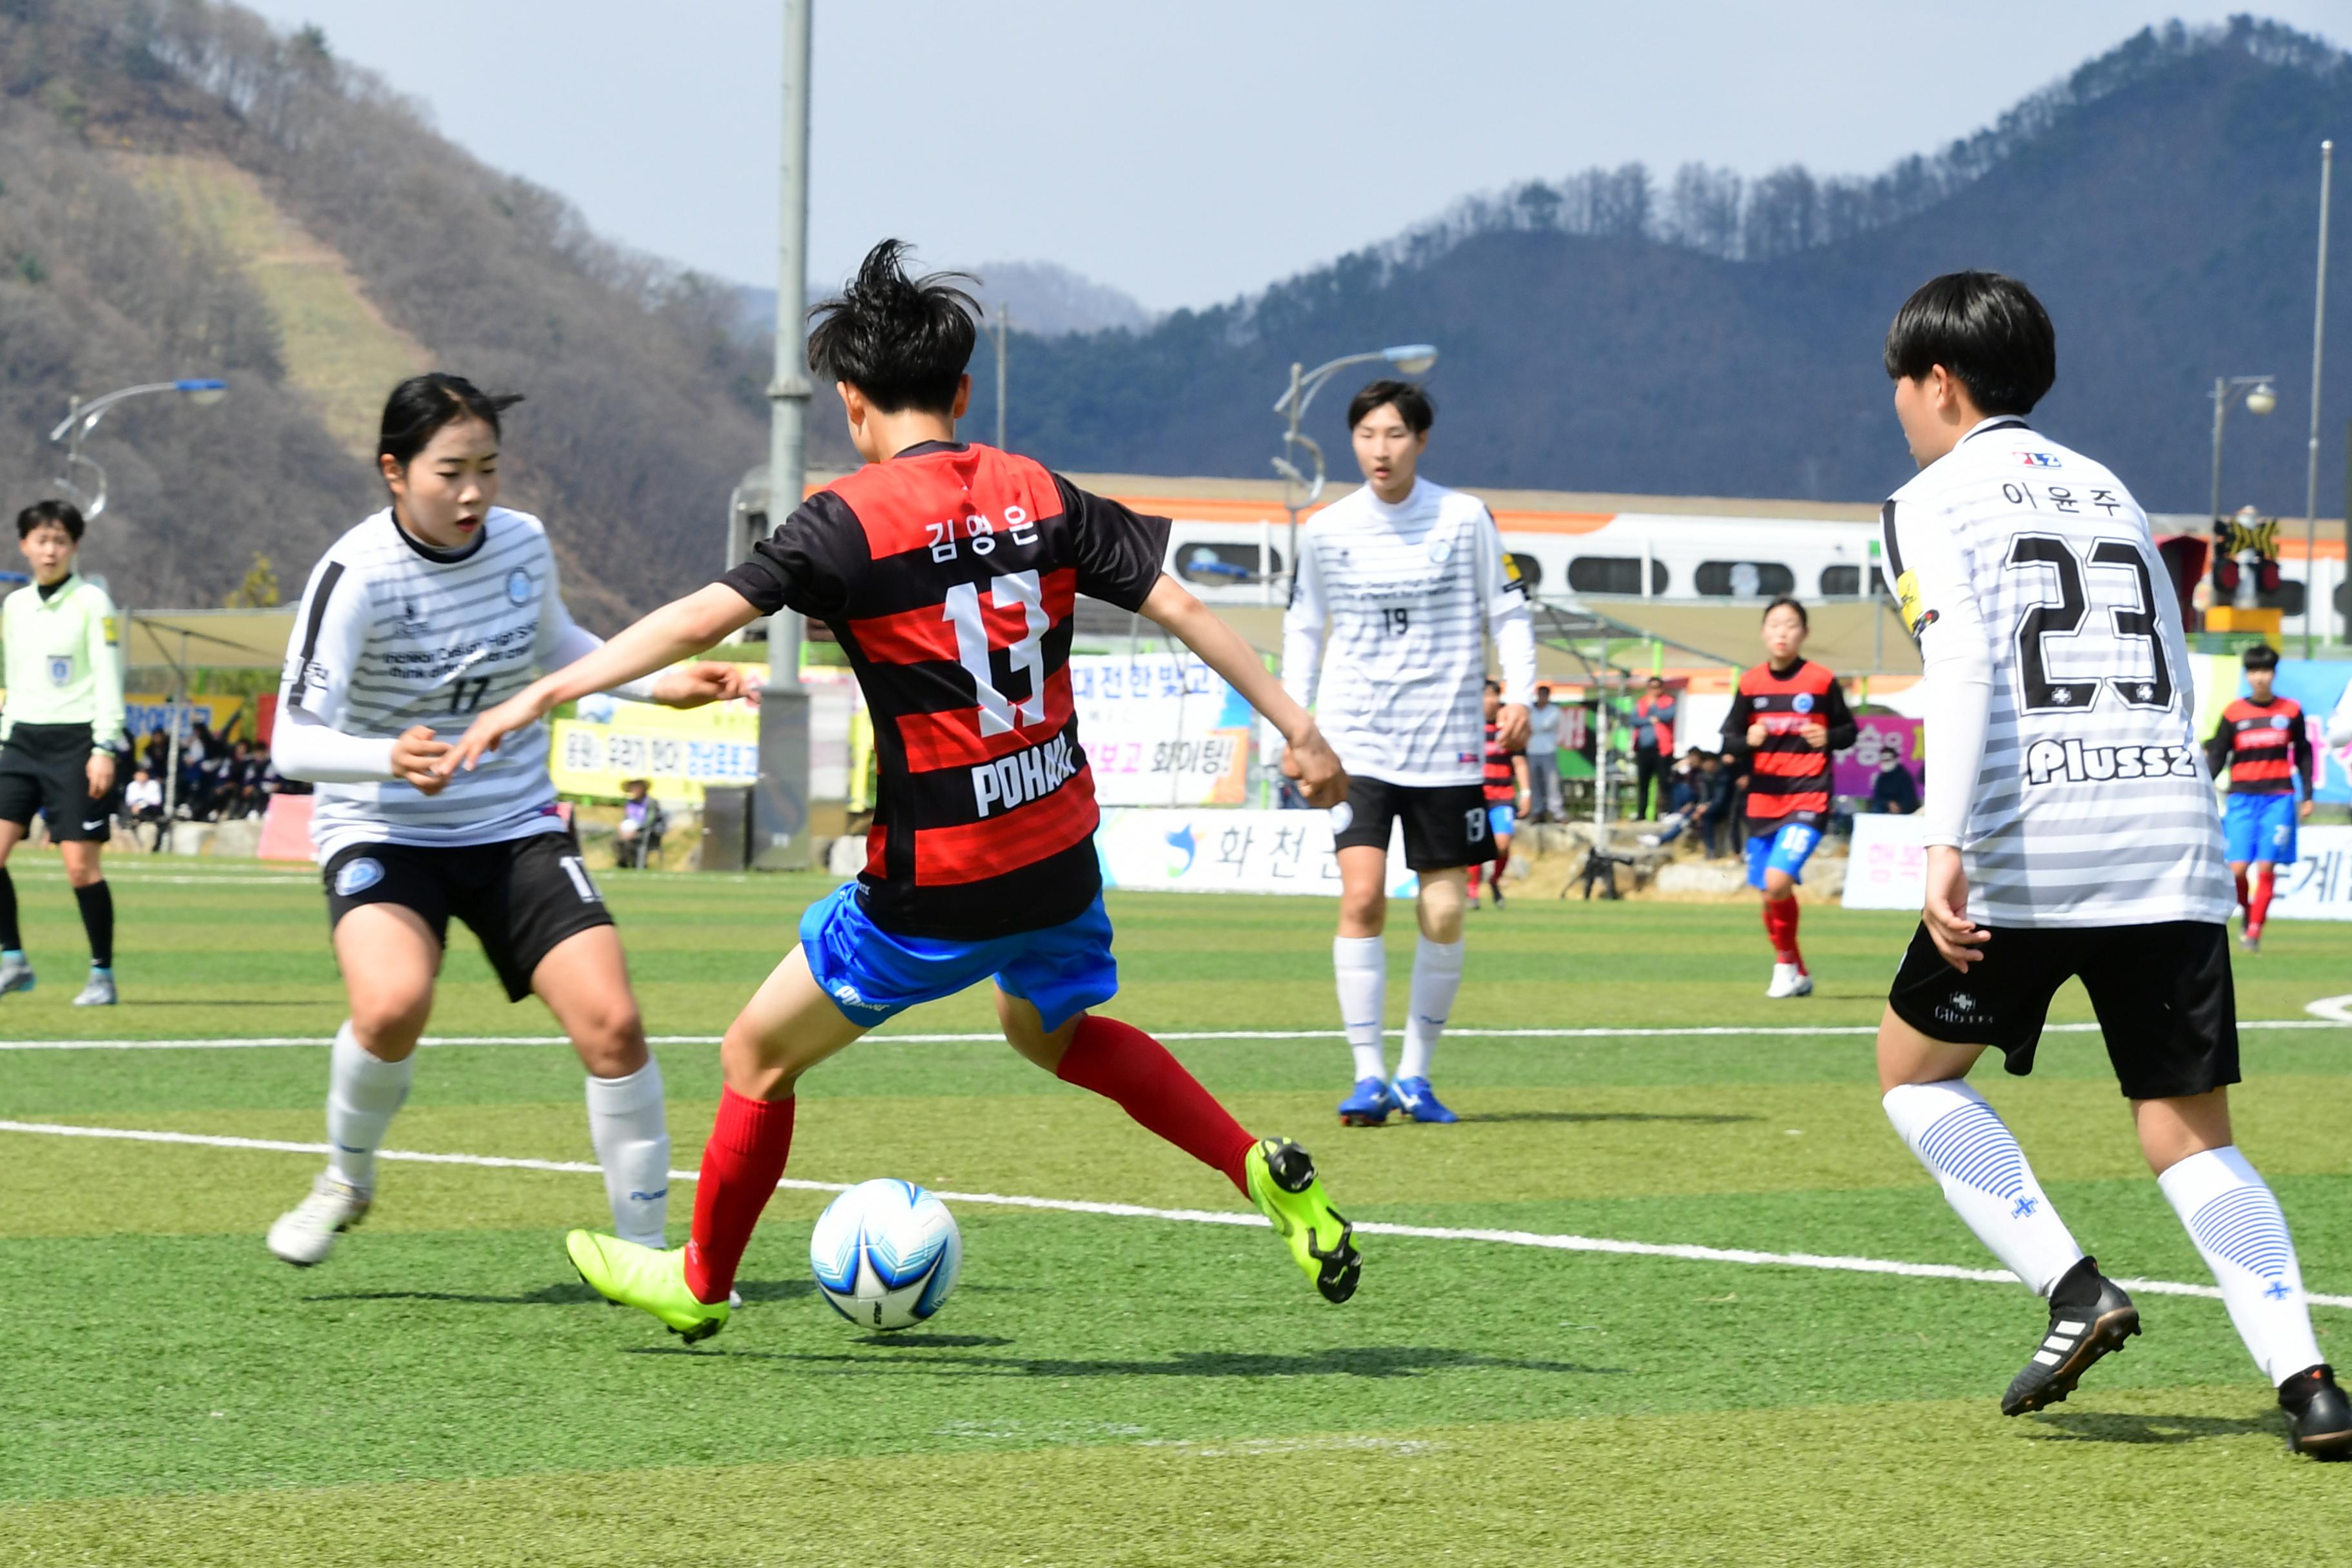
1663 555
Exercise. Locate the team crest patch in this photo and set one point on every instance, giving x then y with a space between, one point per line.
358 876
61 671
518 587
1342 815
2278 721
1802 702
1441 551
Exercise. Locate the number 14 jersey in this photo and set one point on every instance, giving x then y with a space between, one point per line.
2027 569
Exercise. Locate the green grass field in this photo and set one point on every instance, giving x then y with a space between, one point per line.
1122 1389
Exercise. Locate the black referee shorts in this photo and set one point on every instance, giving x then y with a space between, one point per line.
1444 824
520 898
46 768
2162 992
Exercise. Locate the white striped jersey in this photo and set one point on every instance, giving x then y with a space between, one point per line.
1408 594
2028 567
390 636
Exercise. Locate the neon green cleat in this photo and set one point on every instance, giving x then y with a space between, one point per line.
647 1279
1282 1183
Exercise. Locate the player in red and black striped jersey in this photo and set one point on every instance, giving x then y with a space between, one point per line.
1503 783
2265 742
948 573
1787 714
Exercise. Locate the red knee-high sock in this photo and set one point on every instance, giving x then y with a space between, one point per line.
1476 866
2244 903
2258 911
1781 925
741 1167
1121 1062
1502 858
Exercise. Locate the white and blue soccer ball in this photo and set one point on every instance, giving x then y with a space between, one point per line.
885 1254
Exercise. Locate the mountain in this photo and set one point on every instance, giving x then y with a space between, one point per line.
1043 298
1615 333
188 193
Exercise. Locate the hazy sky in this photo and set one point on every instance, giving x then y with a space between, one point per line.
1188 153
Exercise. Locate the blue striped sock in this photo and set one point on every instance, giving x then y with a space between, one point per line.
1969 1148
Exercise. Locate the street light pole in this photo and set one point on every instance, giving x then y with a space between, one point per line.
1001 329
2311 476
81 418
1411 358
2227 389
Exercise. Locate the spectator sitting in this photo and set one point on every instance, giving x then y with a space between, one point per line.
639 836
1893 790
142 804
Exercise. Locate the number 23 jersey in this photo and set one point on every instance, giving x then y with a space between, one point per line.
2018 560
391 635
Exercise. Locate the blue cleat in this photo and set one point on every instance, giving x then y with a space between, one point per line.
1367 1105
1418 1100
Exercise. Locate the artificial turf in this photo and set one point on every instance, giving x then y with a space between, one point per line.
1122 1389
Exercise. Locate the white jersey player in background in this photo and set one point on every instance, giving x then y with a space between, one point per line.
440 606
2071 833
1410 579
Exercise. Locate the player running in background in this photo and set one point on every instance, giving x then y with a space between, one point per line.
2070 832
2265 744
1410 579
1505 788
441 605
1787 715
949 574
61 663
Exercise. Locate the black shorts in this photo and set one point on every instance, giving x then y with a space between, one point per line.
2162 992
520 898
46 768
1444 824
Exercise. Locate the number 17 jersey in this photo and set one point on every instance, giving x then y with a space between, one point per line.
2016 557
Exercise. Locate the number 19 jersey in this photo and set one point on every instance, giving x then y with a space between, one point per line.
2025 566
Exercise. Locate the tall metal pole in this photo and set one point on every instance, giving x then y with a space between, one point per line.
2311 481
2220 411
1290 502
1003 327
779 813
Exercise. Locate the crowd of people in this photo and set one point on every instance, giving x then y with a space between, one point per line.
218 782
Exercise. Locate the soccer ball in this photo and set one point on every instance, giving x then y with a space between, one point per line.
885 1254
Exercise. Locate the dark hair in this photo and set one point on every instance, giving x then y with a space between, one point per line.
2260 656
1987 329
1803 619
1495 685
421 406
1412 404
42 513
1657 680
903 341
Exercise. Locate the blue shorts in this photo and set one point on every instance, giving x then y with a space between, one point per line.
1502 818
1786 848
873 976
2260 828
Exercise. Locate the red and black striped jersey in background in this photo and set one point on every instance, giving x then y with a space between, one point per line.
949 574
1500 785
2264 745
1789 780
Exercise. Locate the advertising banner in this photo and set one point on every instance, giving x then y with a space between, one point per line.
2317 887
676 751
1160 729
146 713
1854 771
1147 850
1887 868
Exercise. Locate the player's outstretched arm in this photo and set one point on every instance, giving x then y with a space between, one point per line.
1309 757
680 629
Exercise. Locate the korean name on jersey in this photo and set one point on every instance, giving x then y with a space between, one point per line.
1409 592
2092 804
388 638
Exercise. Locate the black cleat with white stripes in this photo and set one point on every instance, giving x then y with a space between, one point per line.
2089 1317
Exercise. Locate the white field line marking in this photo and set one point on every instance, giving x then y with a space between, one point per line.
2331 1009
257 1042
1830 1262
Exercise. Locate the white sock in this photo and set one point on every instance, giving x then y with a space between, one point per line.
1436 976
362 1094
2236 1225
1361 963
632 1138
1985 1178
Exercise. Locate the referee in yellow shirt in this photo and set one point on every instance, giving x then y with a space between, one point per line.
63 671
